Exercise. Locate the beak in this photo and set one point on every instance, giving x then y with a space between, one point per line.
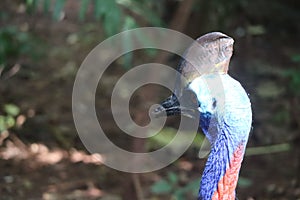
173 106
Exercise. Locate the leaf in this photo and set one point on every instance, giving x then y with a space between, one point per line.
112 18
110 14
269 90
143 10
46 6
146 42
161 187
2 123
6 122
167 134
256 30
10 122
179 195
83 9
294 80
127 42
11 109
173 178
98 9
58 7
14 43
9 45
164 136
129 23
296 58
244 182
191 188
31 5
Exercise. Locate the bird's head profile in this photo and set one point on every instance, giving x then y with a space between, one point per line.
210 54
222 106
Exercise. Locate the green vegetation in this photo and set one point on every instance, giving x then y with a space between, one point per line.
171 185
13 44
113 13
8 118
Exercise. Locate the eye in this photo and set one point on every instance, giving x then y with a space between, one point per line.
214 102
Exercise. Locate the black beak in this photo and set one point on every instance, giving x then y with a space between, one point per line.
170 106
185 106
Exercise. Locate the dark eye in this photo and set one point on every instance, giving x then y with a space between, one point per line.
214 104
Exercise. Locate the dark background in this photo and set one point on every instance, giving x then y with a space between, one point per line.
43 43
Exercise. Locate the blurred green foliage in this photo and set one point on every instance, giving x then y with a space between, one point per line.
8 118
171 185
15 43
167 134
250 16
244 182
295 58
293 75
255 18
114 14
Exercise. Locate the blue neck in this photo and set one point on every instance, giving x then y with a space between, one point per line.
216 166
228 143
225 118
223 164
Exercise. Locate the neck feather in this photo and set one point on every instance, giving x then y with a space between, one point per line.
222 168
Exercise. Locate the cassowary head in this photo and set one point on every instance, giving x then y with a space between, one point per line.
209 55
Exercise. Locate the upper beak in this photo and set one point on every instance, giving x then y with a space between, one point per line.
173 106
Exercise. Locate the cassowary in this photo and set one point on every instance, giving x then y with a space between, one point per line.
223 109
